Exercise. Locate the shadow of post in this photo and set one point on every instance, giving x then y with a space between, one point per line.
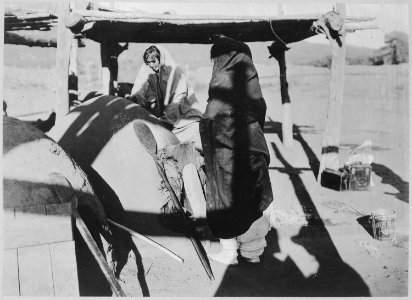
276 127
390 177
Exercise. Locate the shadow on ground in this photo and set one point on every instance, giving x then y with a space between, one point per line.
393 179
272 277
276 278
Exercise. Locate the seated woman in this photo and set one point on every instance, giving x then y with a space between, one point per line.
162 88
236 155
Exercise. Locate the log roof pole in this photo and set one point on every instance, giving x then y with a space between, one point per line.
334 28
64 37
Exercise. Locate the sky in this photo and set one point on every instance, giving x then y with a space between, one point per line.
390 15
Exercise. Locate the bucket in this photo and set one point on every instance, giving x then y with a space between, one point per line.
383 224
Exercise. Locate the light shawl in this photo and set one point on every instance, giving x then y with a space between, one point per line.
167 94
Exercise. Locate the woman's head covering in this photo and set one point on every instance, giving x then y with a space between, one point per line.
168 90
225 45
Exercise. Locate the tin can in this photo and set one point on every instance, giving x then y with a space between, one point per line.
383 224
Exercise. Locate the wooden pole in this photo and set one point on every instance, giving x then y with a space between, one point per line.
109 53
287 124
331 138
2 64
146 239
94 249
73 74
277 50
64 37
108 70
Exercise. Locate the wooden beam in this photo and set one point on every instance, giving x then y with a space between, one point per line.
93 15
332 134
31 38
64 37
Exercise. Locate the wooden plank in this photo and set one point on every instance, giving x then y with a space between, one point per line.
31 226
35 274
64 269
64 37
331 138
10 273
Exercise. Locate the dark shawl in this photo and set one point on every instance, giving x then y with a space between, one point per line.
236 154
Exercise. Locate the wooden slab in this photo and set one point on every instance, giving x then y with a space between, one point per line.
64 269
35 273
10 273
32 226
194 191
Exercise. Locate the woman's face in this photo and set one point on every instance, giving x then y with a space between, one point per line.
154 63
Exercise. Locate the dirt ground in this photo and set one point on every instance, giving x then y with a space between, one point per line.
318 245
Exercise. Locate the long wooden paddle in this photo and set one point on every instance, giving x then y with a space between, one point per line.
147 139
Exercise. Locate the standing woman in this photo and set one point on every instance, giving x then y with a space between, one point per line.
163 89
236 154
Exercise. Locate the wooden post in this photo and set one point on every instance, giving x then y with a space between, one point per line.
331 138
2 59
73 74
64 37
109 52
287 125
107 82
277 50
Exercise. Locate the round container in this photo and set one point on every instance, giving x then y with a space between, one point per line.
383 224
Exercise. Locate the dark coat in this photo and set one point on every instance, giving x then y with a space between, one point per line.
234 146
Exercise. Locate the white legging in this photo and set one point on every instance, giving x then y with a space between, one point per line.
252 243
